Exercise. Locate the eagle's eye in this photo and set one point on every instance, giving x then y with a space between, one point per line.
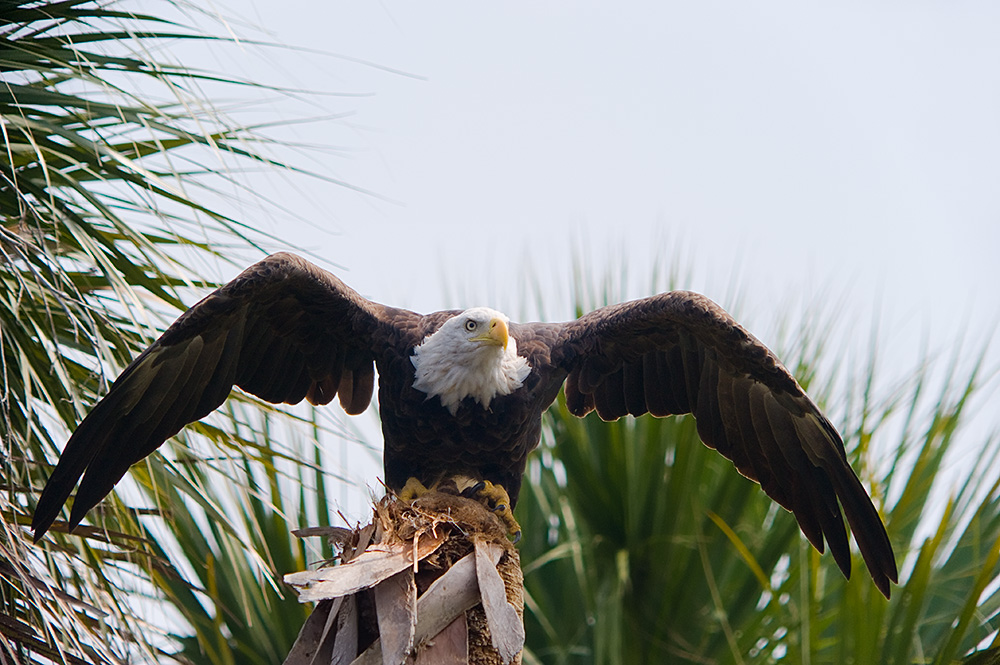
470 325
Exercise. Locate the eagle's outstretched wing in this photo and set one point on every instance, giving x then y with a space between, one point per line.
283 330
681 353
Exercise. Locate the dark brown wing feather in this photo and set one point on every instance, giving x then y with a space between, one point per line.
681 353
284 330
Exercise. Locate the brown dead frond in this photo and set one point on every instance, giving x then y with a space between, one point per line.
434 580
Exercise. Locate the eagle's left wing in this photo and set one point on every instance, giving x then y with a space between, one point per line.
679 353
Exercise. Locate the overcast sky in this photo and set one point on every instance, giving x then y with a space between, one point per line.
816 144
807 148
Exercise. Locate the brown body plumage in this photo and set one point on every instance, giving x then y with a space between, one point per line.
286 330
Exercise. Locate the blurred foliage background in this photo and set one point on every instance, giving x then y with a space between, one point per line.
640 545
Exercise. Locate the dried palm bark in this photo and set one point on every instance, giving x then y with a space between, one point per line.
430 581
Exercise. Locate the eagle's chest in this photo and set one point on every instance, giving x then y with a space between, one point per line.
424 439
499 426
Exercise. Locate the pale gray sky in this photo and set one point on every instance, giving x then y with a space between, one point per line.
818 144
847 148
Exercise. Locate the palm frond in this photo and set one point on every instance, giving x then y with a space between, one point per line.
642 545
103 145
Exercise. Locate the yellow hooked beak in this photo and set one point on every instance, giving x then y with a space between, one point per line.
497 335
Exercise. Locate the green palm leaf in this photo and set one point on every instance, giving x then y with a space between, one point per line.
641 545
96 231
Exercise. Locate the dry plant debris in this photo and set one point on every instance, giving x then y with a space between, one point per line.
434 580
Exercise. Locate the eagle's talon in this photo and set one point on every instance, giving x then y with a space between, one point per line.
495 498
516 537
473 491
507 517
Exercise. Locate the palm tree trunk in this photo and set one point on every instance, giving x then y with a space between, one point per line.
430 581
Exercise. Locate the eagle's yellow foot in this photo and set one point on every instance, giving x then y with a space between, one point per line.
496 499
412 489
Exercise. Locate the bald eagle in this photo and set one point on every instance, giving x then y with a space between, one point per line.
462 393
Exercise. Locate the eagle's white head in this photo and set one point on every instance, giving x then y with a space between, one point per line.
472 354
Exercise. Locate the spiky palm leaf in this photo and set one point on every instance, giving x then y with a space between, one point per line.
641 545
95 230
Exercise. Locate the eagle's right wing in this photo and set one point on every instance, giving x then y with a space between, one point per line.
283 330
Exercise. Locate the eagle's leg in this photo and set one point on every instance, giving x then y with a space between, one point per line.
496 499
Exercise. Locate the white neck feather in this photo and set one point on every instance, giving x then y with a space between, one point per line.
452 373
